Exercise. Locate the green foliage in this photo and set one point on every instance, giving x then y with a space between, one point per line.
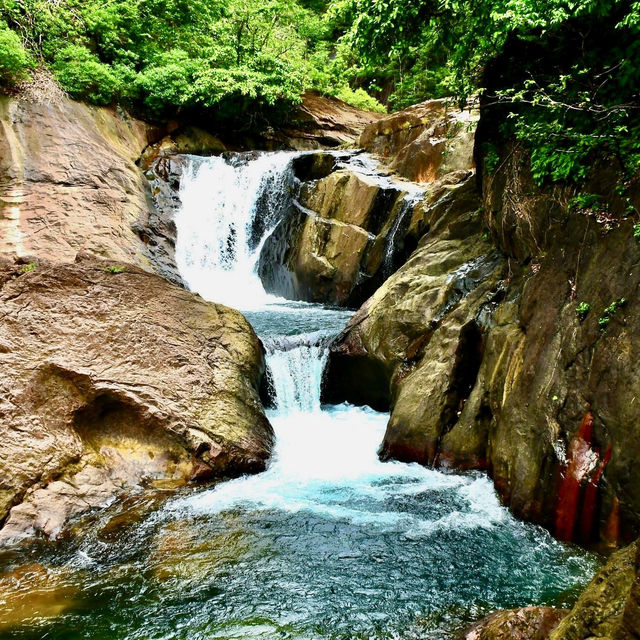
15 62
360 98
28 267
491 158
86 78
582 310
563 74
610 312
636 231
115 269
222 57
587 202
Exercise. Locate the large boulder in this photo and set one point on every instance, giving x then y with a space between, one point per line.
319 122
425 141
340 239
422 330
114 379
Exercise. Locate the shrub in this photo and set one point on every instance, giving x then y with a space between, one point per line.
15 62
84 77
360 99
582 310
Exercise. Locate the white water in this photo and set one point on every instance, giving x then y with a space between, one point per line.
214 249
323 459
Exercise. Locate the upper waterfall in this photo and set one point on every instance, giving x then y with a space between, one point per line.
229 205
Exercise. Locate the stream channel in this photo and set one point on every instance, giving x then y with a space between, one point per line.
329 542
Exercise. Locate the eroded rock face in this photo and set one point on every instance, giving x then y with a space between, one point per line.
348 230
425 141
320 122
113 380
421 334
485 362
332 245
69 182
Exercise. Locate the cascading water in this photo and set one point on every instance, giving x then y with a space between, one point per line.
328 543
228 207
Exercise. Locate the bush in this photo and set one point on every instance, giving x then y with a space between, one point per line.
15 62
168 83
360 98
84 77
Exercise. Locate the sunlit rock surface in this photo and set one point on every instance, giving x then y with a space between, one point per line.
113 379
425 141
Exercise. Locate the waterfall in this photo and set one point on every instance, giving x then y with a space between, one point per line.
401 222
229 206
296 364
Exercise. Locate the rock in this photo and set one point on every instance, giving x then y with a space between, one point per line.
69 182
610 605
343 236
425 141
528 623
320 122
114 379
423 321
608 608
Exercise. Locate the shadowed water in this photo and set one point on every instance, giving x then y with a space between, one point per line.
328 543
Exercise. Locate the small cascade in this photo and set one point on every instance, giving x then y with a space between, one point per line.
229 206
392 255
296 364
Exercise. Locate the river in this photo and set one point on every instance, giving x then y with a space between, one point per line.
329 542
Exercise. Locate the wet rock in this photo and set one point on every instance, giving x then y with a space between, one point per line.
337 243
529 623
114 379
425 141
610 605
494 368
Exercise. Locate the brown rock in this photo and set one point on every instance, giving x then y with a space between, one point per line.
508 377
113 379
425 141
422 330
609 606
331 247
69 182
528 623
321 122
